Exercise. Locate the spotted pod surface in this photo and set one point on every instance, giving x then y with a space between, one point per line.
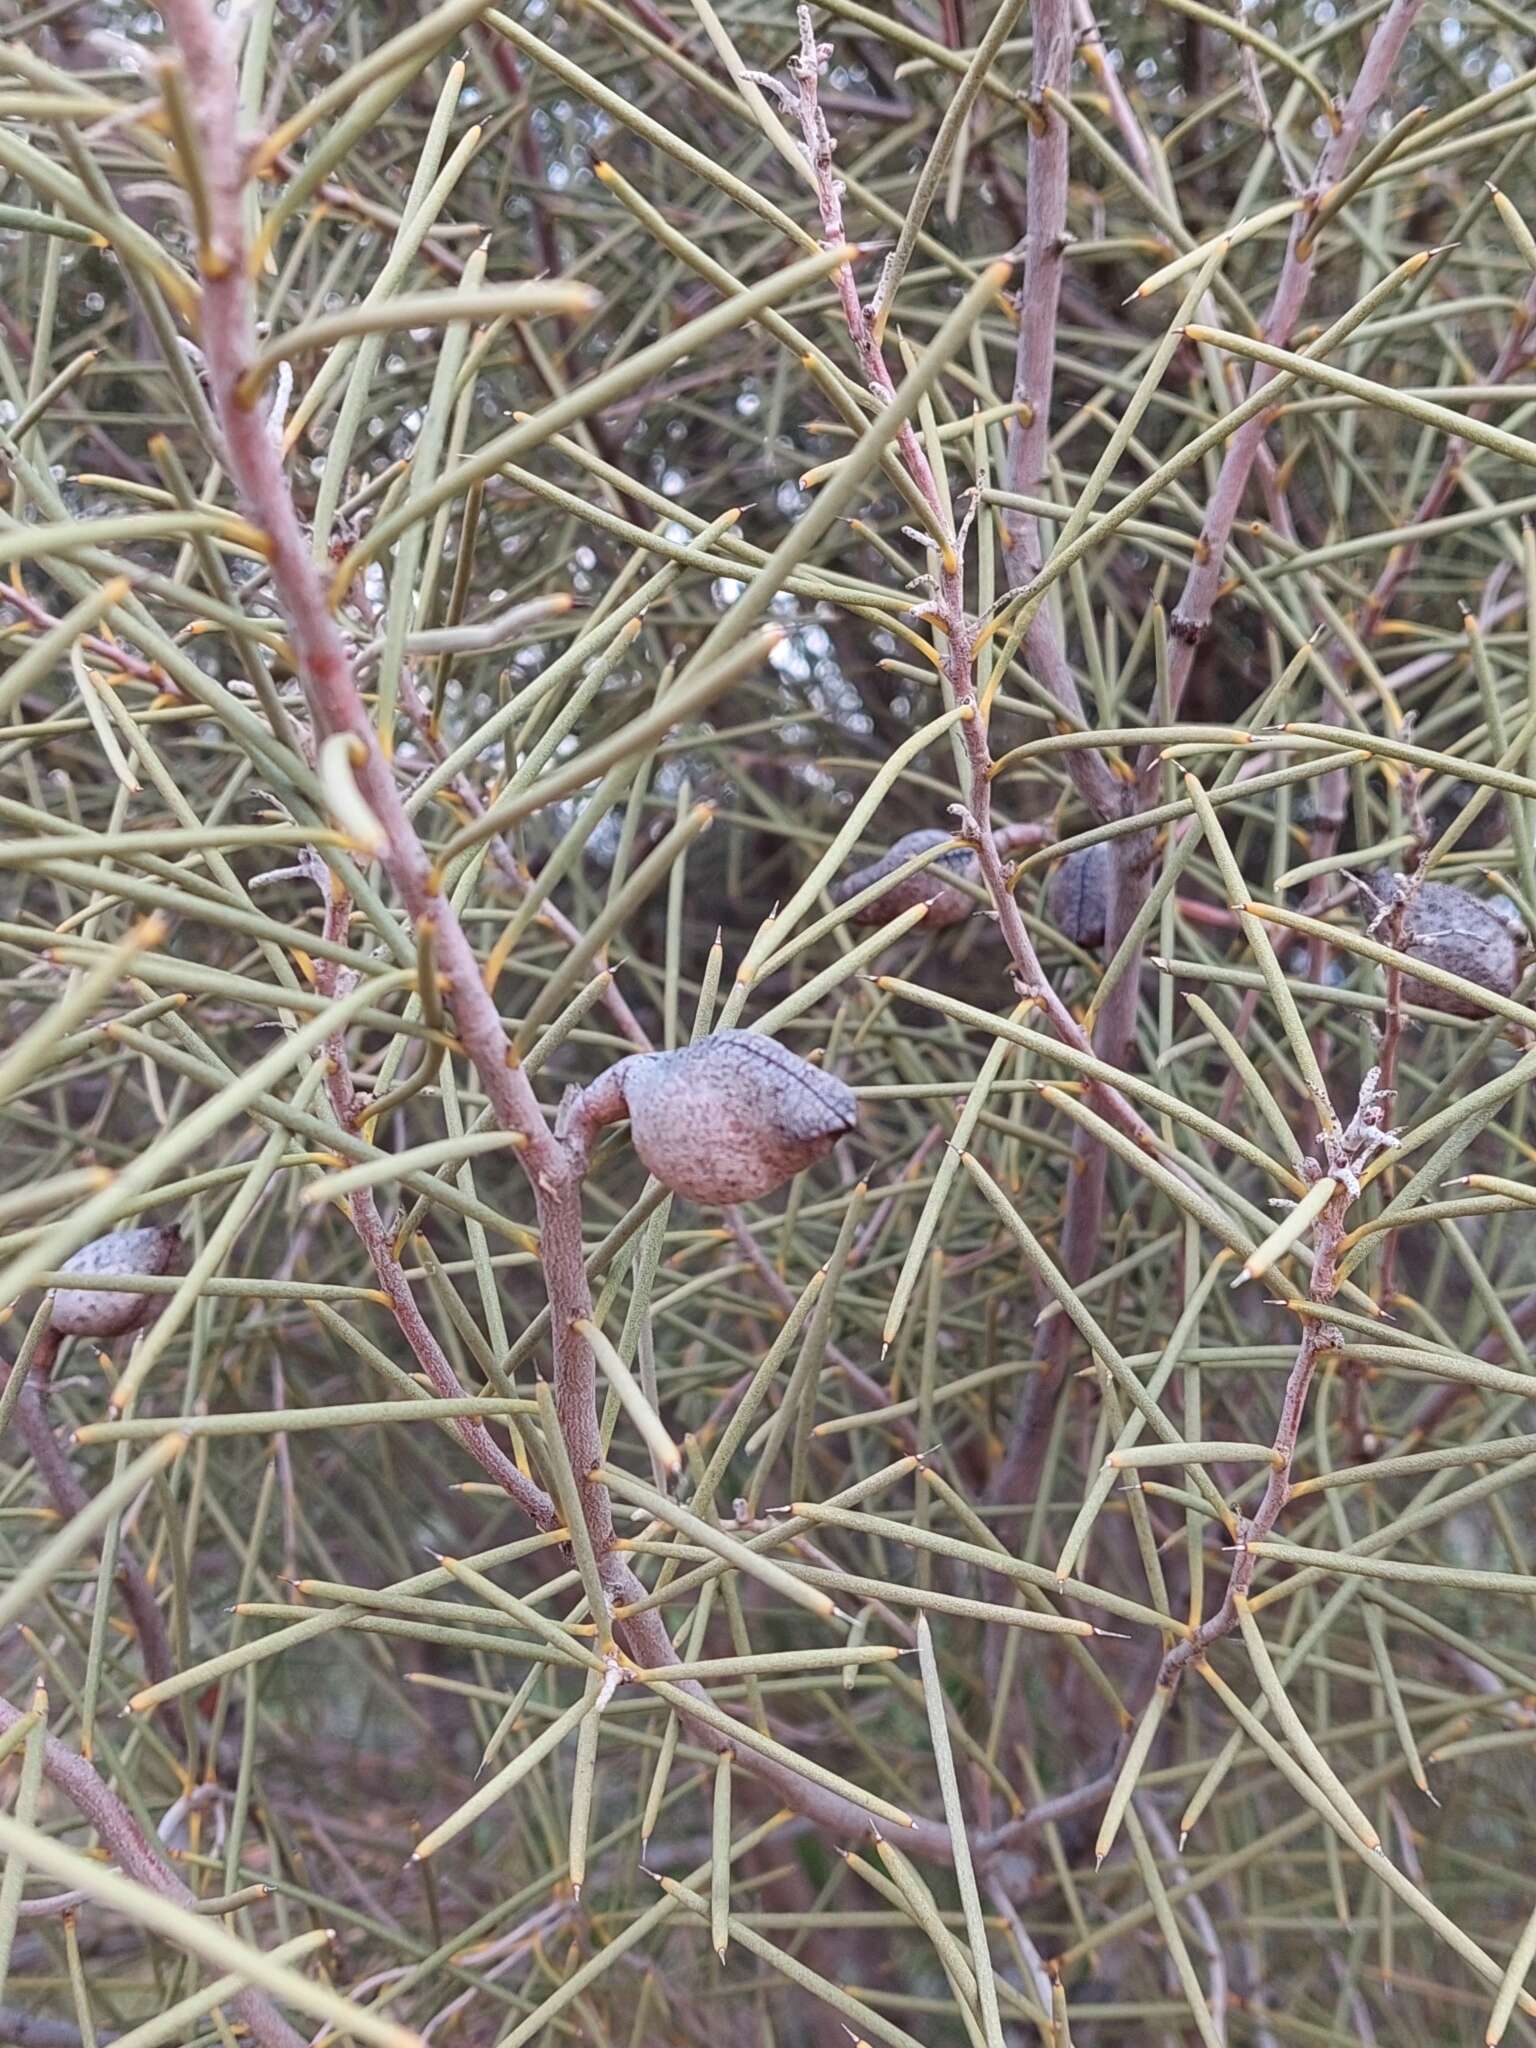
93 1312
1078 897
946 905
733 1116
1454 930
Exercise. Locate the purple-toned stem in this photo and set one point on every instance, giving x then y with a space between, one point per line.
325 668
1333 788
1038 300
957 629
1132 131
138 1858
29 2030
553 1163
1133 855
70 1498
1316 1337
1193 613
1045 248
1347 1152
1045 245
376 1240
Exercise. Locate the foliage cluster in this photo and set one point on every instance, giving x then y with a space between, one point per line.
969 541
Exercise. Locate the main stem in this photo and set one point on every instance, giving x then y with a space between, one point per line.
555 1165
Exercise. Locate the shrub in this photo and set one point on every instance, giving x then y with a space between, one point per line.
978 561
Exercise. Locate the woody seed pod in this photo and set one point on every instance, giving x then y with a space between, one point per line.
1078 898
1490 826
92 1312
1456 931
947 905
730 1117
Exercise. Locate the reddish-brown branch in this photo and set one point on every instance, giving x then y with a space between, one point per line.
1132 856
1519 344
554 1162
957 628
71 1499
428 1353
1038 300
1045 245
1333 788
1132 132
1316 1337
1193 614
325 667
1044 255
1045 248
138 1858
1372 82
1347 1153
109 651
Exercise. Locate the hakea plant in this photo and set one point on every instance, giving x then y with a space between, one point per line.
768 866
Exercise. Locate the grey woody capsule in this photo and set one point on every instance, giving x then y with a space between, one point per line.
95 1312
1489 828
732 1116
932 885
1452 929
1078 898
946 905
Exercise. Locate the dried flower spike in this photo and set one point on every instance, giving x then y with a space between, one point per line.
727 1119
1451 929
92 1312
1078 898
